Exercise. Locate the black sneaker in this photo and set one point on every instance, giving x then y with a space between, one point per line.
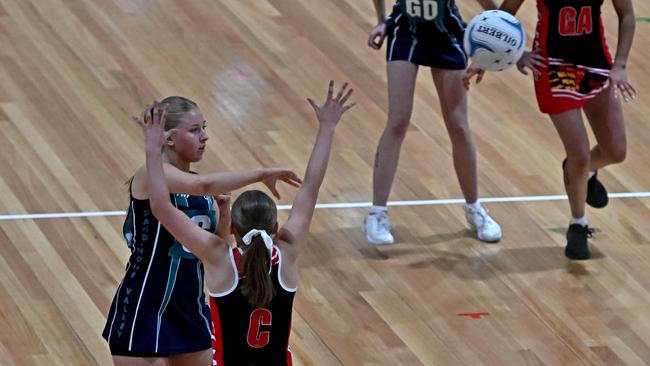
565 176
576 247
596 191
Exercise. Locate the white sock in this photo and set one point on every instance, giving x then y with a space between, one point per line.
374 210
591 174
579 220
476 205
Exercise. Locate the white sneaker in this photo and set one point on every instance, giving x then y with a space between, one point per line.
485 227
377 229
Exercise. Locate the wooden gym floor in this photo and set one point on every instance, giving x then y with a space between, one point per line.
73 71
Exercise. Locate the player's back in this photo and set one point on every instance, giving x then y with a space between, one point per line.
246 335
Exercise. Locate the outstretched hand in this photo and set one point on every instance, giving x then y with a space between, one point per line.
472 71
331 111
152 123
618 78
271 177
533 61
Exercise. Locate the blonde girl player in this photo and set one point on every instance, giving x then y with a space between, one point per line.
159 315
574 73
424 33
253 285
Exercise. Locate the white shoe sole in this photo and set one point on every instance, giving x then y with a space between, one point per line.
489 240
374 242
486 240
379 242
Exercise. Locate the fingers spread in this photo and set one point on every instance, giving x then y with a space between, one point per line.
349 106
275 192
341 91
163 116
522 69
330 90
625 92
291 182
138 121
295 177
347 95
313 104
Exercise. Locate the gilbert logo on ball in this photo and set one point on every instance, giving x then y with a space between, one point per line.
494 40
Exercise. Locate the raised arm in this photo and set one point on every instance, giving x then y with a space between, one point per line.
296 229
626 24
214 184
200 242
225 219
218 183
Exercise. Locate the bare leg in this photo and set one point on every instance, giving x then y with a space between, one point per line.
401 87
200 358
605 115
139 361
576 144
453 102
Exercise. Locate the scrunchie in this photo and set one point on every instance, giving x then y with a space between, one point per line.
268 241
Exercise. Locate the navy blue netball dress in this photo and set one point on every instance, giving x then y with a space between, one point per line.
160 308
427 33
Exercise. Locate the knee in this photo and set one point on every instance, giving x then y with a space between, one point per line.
459 131
616 154
579 161
397 126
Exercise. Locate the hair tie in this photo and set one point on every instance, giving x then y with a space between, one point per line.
268 241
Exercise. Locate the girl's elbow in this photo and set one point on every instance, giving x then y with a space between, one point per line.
626 14
203 187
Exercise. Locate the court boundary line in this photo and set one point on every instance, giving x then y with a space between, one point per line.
433 202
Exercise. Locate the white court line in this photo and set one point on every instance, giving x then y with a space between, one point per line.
453 201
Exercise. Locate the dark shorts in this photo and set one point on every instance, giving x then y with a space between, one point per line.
118 351
433 49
